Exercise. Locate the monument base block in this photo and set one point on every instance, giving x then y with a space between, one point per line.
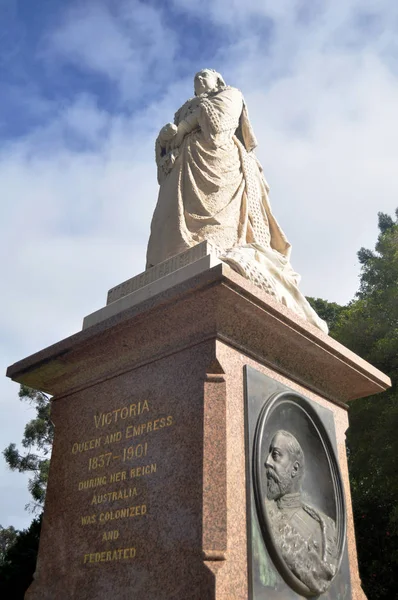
150 493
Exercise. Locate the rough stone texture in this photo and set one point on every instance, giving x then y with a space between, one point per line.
161 270
183 353
159 285
217 303
168 538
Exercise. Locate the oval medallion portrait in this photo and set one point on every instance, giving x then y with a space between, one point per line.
299 493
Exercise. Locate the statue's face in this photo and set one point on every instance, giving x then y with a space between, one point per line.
205 81
281 468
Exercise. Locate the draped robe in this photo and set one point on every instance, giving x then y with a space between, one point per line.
216 191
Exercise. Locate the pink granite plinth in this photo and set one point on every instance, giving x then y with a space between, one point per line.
147 488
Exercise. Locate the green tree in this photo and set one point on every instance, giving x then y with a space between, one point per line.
18 549
19 562
369 327
8 536
37 442
370 324
330 312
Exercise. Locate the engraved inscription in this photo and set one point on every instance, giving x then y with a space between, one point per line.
110 555
116 460
120 414
85 446
123 494
110 535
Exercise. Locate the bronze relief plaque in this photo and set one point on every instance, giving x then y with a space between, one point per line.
296 502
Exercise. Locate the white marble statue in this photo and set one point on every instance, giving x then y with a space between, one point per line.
212 188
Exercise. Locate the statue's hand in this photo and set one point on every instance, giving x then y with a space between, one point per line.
177 140
186 126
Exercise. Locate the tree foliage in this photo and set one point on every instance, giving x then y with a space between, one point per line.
328 311
18 562
37 442
8 536
369 327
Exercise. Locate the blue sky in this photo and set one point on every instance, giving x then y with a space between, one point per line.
54 51
85 87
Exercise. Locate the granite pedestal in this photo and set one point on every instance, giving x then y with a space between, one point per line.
148 486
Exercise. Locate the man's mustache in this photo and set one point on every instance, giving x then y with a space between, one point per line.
272 475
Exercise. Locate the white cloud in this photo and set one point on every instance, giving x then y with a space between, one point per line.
78 191
323 102
329 152
92 38
127 42
74 223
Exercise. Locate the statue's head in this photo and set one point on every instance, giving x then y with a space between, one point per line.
208 80
284 465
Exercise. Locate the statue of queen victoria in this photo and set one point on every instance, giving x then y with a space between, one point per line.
212 188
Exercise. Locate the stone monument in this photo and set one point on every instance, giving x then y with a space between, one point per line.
200 416
212 188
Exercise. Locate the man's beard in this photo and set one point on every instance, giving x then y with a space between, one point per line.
277 486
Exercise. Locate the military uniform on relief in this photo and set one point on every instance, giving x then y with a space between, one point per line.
307 540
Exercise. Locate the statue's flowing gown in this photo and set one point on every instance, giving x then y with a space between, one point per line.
216 191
